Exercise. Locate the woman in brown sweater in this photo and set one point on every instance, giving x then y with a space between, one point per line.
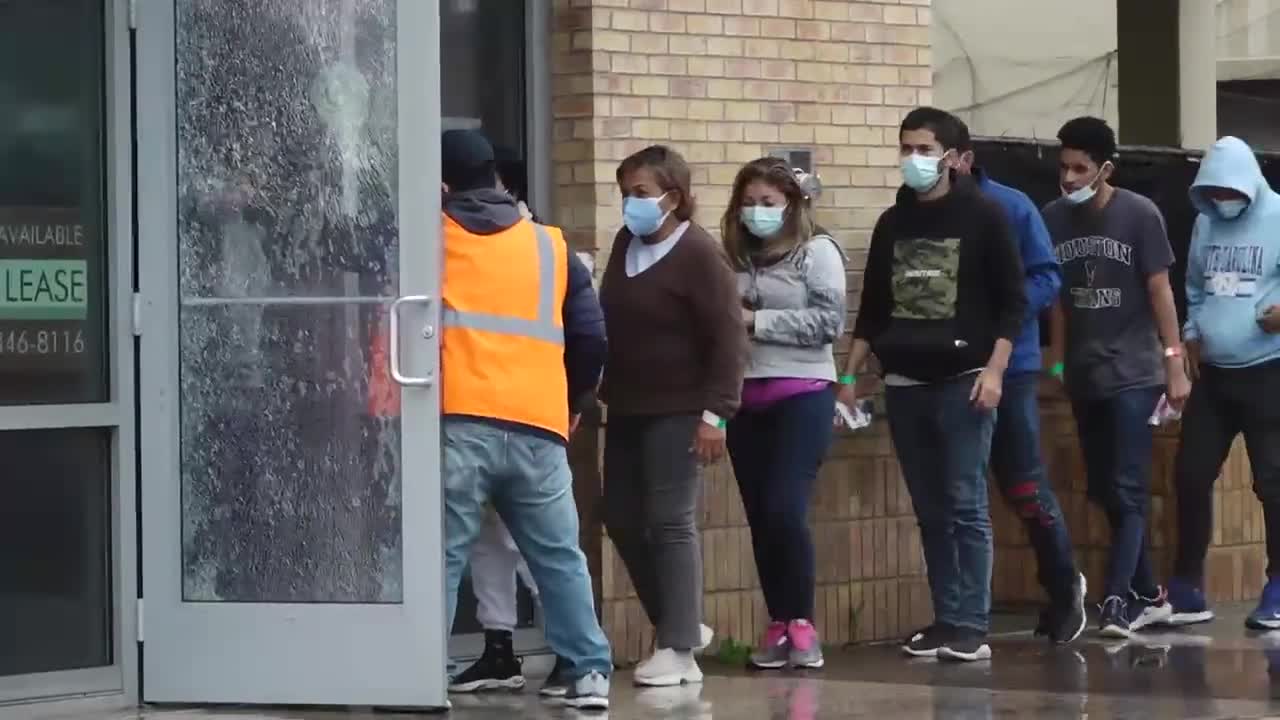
677 346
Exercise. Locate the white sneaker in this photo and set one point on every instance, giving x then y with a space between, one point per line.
667 668
704 641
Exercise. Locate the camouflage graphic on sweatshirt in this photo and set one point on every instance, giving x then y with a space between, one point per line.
925 278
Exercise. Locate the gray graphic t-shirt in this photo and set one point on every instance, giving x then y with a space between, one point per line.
1107 257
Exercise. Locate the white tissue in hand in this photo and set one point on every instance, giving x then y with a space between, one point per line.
853 418
1164 413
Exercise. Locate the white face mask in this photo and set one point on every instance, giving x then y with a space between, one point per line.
1230 209
1086 193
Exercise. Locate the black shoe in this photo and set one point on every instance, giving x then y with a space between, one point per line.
497 669
1114 619
925 643
1069 612
1044 626
966 646
557 685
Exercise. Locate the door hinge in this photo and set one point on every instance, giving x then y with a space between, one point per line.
137 314
139 621
133 14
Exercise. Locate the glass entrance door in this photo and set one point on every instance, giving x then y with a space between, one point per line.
289 257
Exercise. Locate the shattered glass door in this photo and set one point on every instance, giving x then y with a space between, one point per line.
288 240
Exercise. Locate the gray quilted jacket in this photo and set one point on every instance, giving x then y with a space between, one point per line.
799 304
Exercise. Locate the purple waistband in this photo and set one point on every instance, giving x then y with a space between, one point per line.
758 394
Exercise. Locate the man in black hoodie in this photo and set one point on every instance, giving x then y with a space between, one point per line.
522 349
942 301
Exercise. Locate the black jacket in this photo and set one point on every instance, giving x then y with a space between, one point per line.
485 212
943 281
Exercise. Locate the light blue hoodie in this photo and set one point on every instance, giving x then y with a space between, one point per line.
1233 272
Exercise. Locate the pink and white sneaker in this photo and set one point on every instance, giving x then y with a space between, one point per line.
806 649
775 649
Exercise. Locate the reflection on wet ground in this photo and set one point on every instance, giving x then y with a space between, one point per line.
1218 670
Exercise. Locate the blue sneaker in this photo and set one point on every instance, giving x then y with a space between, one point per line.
1113 618
1189 605
1267 614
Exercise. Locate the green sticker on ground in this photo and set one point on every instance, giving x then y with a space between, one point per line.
44 289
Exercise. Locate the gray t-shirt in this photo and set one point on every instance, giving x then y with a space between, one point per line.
1107 257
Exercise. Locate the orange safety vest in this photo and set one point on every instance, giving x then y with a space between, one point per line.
502 345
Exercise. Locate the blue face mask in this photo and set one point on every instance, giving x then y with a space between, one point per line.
643 216
763 222
921 172
1230 209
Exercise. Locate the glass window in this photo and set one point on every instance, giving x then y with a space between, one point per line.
53 285
482 68
54 550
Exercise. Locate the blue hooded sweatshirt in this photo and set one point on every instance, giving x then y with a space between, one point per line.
1044 277
1233 269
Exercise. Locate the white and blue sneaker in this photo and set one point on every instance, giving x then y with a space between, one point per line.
1267 615
1189 604
589 692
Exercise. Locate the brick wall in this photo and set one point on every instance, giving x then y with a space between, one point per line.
724 82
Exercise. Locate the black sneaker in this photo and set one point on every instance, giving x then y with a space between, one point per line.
557 685
966 646
1070 618
497 669
1044 626
1113 620
925 643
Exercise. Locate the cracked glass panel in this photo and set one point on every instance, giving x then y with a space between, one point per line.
288 239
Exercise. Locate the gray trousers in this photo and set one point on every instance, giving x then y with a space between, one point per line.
651 489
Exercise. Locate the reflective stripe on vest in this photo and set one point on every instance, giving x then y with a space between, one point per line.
544 327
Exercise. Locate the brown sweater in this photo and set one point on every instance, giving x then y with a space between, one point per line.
677 344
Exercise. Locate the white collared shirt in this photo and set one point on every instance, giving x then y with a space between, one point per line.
642 255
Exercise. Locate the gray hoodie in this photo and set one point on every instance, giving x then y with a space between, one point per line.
799 304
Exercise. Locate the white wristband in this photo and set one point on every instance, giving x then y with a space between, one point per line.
713 420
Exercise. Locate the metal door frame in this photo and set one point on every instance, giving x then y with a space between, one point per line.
119 411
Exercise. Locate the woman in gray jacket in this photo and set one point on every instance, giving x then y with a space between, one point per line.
791 276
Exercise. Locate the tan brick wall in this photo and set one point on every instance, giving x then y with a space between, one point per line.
725 81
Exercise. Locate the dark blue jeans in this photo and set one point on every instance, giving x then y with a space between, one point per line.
1117 442
1020 474
776 453
943 443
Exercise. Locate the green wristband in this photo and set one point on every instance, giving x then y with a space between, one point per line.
1057 370
848 379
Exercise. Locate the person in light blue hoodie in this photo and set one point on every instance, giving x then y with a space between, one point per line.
1232 336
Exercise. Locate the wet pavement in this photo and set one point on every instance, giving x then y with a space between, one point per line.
1218 670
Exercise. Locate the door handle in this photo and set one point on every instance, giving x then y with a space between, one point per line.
393 342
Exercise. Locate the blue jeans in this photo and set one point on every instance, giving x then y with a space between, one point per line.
527 479
1117 441
776 452
943 444
1020 474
